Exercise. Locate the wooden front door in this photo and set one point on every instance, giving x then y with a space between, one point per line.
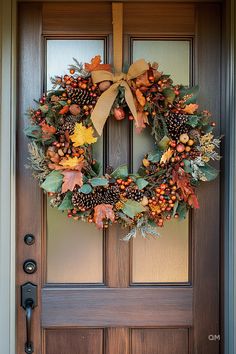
97 294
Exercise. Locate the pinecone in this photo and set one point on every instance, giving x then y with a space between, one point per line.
134 194
56 200
80 96
83 201
69 123
111 195
176 124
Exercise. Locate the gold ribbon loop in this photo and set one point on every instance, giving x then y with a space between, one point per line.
105 102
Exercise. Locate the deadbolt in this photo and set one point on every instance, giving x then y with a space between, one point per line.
29 239
30 266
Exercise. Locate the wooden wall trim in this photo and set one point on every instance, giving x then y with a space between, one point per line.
7 177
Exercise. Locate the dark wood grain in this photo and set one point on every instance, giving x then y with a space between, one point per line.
159 341
206 220
77 18
159 18
109 307
29 196
118 341
74 341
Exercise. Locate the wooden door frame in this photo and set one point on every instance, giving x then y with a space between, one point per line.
7 182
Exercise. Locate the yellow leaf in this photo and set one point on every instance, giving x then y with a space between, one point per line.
166 156
72 163
82 135
190 108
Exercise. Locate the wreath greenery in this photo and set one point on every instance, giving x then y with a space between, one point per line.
62 136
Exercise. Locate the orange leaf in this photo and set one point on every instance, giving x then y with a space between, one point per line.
47 131
71 179
183 183
142 80
140 121
96 65
101 212
167 155
190 108
64 110
140 97
193 201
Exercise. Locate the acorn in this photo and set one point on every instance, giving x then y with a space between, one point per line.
119 113
104 85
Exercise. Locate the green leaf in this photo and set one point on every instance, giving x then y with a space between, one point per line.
99 182
62 103
193 120
97 167
187 166
189 94
86 189
163 144
44 108
175 208
120 172
53 182
154 156
131 208
66 203
141 183
152 223
182 211
169 94
209 172
33 131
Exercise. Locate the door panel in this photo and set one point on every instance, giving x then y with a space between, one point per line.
76 341
164 341
117 303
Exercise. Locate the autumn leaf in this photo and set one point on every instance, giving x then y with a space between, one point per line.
96 65
140 97
140 121
183 183
74 163
47 131
64 110
190 108
71 179
101 212
142 80
193 201
166 156
82 135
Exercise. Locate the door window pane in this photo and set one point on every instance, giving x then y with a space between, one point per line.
74 248
165 259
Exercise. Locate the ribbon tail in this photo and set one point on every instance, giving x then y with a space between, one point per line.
129 99
103 107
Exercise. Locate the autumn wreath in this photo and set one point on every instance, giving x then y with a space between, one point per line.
62 134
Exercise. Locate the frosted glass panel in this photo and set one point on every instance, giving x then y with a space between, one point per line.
165 259
74 248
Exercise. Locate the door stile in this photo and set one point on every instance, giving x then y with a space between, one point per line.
29 220
206 249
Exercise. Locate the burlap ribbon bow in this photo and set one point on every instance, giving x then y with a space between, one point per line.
104 104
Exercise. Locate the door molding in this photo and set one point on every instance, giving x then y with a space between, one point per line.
7 182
